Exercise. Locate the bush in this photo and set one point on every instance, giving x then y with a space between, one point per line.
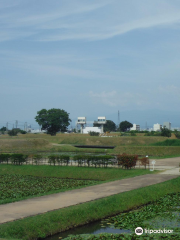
127 161
153 133
18 158
4 157
93 133
37 159
92 160
177 134
12 132
133 134
165 132
144 161
22 132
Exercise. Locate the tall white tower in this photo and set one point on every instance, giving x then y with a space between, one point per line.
101 121
81 121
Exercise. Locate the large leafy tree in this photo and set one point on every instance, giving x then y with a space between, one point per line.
53 120
165 132
125 125
110 126
3 129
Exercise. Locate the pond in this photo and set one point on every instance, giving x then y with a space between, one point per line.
91 228
164 214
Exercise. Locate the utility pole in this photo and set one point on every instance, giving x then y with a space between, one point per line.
118 119
16 123
13 126
7 126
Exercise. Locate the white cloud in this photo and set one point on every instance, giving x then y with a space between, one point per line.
114 98
68 20
162 96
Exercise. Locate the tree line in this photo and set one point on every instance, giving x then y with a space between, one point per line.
57 120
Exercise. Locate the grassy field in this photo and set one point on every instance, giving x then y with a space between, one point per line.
168 142
46 144
100 174
112 139
60 220
27 181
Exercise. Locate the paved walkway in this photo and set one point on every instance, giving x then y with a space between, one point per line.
38 205
169 165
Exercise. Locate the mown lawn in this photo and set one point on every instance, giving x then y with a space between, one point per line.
91 173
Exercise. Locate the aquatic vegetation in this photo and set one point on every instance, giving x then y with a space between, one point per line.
164 213
16 186
163 208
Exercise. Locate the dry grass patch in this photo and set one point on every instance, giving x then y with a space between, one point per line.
147 150
12 144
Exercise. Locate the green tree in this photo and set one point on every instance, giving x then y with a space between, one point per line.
125 125
3 129
165 132
177 134
110 126
13 132
53 120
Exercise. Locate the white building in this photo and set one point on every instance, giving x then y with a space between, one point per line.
135 127
81 121
101 121
157 127
167 125
37 131
91 129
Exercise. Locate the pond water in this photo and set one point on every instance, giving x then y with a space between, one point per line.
162 214
91 228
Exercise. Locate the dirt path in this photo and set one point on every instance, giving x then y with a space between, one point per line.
38 205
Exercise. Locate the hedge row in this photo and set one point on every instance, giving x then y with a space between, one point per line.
123 160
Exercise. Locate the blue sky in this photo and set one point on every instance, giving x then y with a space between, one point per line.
90 58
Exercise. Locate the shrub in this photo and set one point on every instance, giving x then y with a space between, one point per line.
52 159
12 132
4 157
22 132
93 133
37 158
165 132
177 134
18 158
127 161
144 161
133 134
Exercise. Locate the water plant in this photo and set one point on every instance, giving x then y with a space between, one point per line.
14 186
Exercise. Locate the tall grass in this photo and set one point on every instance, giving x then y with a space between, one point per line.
168 142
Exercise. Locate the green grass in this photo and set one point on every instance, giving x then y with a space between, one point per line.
156 151
43 144
63 219
164 213
168 142
164 156
101 174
